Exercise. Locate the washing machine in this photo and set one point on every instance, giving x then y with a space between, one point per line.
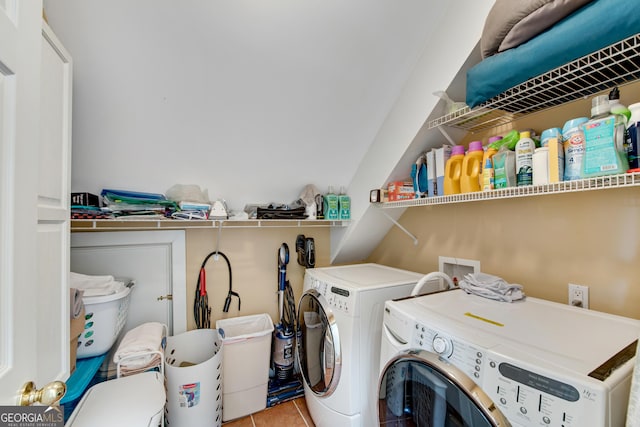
535 362
339 326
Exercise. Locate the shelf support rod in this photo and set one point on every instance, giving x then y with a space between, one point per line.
397 224
446 135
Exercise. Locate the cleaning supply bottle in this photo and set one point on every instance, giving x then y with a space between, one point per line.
604 138
488 175
616 107
504 167
453 170
344 205
633 136
331 208
573 143
524 159
471 168
489 151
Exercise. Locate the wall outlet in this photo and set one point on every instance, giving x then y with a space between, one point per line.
578 295
456 268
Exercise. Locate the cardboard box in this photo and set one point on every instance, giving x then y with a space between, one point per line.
76 326
401 190
442 154
556 160
432 187
85 199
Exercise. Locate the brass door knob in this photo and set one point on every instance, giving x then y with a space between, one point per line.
47 395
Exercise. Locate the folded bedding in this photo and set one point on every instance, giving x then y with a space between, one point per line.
511 23
594 26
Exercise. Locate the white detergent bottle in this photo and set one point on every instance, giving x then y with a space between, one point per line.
524 159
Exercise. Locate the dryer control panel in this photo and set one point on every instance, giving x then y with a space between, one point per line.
339 298
527 395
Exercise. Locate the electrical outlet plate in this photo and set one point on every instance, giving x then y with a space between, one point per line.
578 295
456 268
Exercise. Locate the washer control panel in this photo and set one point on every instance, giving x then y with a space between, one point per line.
339 298
465 356
527 395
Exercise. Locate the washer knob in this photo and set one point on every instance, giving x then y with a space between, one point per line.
441 345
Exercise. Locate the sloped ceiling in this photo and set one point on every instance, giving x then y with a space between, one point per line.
250 99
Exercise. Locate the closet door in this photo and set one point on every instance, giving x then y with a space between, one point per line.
54 177
34 218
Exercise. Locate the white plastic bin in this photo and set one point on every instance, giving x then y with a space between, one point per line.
105 317
245 368
193 370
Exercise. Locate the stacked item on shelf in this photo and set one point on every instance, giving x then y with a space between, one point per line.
87 206
130 204
141 350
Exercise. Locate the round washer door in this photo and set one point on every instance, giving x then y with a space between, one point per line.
418 388
318 344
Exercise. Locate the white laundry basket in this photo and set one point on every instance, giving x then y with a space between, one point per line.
245 372
193 371
105 317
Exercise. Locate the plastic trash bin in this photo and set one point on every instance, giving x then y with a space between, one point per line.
193 371
245 364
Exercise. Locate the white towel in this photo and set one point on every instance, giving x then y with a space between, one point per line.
76 304
493 287
94 286
138 341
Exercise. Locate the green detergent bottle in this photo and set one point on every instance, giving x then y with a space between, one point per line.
331 205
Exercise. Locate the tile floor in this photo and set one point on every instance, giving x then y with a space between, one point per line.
293 413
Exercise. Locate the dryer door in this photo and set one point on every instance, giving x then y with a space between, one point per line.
417 388
318 344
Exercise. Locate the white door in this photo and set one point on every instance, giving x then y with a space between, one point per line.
155 260
34 216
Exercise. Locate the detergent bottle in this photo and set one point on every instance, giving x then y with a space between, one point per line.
344 204
524 159
489 151
331 205
604 141
453 170
471 168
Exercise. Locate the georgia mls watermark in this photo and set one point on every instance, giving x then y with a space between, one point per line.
31 416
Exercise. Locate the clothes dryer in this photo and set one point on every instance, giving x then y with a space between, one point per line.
339 325
537 362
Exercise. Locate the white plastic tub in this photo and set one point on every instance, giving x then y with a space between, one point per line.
105 317
246 356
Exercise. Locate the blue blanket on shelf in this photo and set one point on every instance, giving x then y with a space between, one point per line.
592 27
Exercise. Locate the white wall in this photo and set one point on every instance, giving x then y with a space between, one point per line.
249 99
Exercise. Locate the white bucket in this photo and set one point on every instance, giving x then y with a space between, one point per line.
193 372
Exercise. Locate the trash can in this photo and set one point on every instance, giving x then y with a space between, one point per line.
245 364
193 370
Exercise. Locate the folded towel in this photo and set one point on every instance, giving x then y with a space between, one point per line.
128 369
94 286
139 341
76 304
489 286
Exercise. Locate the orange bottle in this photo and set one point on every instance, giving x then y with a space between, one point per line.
471 168
453 170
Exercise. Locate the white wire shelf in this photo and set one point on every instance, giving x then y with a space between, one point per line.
613 65
597 183
172 224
